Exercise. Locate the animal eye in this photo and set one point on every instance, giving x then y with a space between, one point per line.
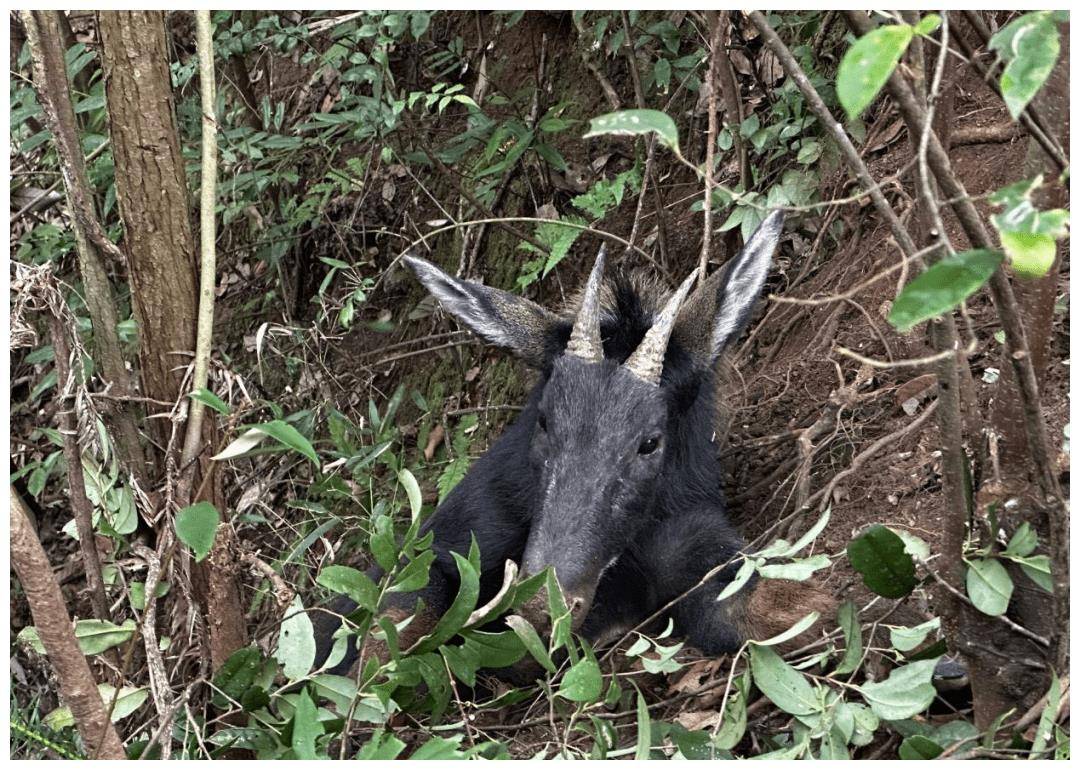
648 446
541 421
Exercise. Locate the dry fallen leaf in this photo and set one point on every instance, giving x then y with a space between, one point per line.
434 439
697 720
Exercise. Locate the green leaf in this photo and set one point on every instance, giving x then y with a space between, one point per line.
453 620
352 583
943 286
95 636
878 555
1037 568
286 434
782 684
138 593
809 152
1029 46
989 586
1020 214
1046 720
914 545
801 625
906 692
306 727
241 445
440 748
635 123
381 746
1023 542
782 550
928 24
583 683
412 489
733 724
128 700
207 397
419 21
905 638
848 617
196 527
662 73
415 575
800 569
237 674
746 570
1030 254
340 690
532 641
644 729
296 642
919 747
867 65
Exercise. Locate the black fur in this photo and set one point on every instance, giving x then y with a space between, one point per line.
626 530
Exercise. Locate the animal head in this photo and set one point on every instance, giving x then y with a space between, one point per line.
606 427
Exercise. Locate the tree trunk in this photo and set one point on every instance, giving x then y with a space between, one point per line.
44 30
1036 298
78 689
152 195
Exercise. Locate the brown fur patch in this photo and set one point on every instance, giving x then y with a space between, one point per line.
776 605
422 624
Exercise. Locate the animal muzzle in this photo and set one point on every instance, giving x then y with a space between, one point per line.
578 587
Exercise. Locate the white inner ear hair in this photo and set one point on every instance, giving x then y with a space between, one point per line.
742 289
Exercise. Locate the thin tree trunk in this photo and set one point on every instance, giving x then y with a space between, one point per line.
1037 297
80 503
155 207
77 686
44 33
1017 349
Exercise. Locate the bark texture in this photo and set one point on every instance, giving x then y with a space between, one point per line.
45 34
77 686
152 194
155 207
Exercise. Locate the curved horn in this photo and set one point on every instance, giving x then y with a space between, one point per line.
647 362
585 338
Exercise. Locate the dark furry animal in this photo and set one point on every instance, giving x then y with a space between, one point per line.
610 474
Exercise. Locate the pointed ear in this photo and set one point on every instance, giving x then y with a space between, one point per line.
501 318
715 314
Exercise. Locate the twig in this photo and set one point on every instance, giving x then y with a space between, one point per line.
283 593
583 47
1031 118
934 358
208 261
91 241
1017 350
1040 640
80 503
825 494
852 292
159 679
469 252
32 205
502 222
729 91
648 177
715 45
